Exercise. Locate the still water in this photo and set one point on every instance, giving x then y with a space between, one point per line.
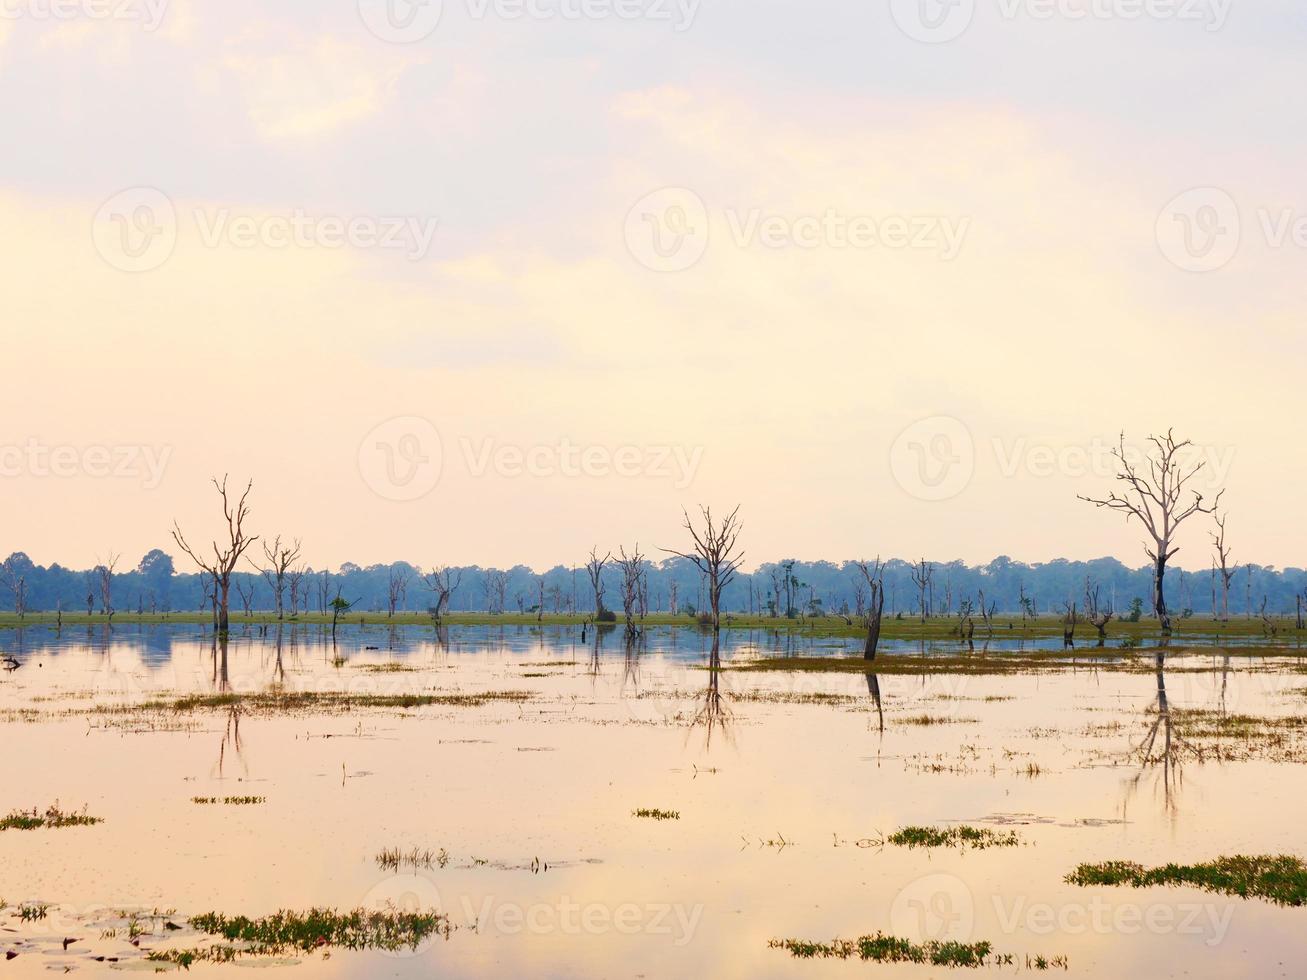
784 785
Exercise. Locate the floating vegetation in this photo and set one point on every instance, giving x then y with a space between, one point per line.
229 800
1280 879
889 949
32 913
325 929
53 817
881 948
281 702
961 836
392 859
655 814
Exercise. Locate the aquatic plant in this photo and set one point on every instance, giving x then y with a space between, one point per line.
1281 879
960 836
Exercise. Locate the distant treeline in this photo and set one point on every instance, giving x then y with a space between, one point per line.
791 588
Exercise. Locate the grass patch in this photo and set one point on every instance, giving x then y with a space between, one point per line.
53 817
656 814
273 702
1280 879
881 948
392 859
963 836
325 929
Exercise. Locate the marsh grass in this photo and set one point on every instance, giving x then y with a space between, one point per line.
656 814
318 929
1281 879
286 702
53 817
961 836
881 948
393 859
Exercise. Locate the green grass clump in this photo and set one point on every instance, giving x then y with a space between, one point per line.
656 814
962 836
881 948
53 817
1280 879
287 932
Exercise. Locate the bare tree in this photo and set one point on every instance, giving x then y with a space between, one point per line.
594 568
1225 570
1158 500
105 570
397 579
226 556
715 555
672 600
1097 615
922 576
297 590
16 582
280 557
496 590
874 575
246 592
443 582
632 568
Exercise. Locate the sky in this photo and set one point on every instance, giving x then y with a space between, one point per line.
496 281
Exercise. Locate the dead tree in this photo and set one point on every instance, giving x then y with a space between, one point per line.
987 613
874 575
540 609
715 555
246 592
16 582
1157 498
397 579
1069 621
632 569
297 591
859 598
672 589
776 579
280 557
104 570
1225 571
496 591
594 568
922 576
1097 615
443 582
966 628
227 555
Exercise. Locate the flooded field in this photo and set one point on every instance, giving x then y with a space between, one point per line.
519 800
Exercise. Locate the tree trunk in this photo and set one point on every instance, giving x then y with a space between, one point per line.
1159 592
873 625
222 608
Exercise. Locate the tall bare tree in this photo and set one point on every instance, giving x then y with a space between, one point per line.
104 570
1156 496
1225 570
226 554
280 557
15 580
715 554
632 568
443 582
496 590
922 576
298 591
874 575
594 568
397 579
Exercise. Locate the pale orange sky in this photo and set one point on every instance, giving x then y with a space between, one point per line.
579 380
